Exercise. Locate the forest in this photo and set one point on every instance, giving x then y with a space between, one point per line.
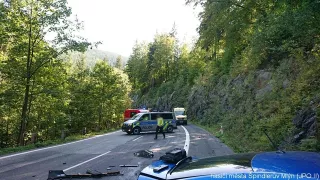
45 92
254 68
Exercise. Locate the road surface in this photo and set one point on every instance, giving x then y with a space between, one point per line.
112 149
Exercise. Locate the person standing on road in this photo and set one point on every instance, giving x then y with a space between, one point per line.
160 123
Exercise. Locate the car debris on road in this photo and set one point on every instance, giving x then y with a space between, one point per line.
129 165
60 174
144 153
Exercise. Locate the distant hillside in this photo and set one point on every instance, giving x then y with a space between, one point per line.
93 55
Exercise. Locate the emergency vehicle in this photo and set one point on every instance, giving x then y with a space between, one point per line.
181 116
129 113
145 122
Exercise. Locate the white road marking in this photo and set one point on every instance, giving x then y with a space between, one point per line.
27 152
187 142
137 138
86 161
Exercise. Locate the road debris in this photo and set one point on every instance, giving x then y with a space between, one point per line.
129 165
144 153
59 174
94 172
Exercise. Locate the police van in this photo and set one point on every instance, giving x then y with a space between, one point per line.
146 122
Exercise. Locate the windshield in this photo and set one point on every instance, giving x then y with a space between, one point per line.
136 117
178 113
219 164
237 159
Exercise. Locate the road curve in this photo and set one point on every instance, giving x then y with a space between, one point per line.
112 149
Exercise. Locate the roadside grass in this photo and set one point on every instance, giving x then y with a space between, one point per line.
215 131
310 144
48 143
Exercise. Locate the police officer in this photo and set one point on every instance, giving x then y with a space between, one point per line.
160 124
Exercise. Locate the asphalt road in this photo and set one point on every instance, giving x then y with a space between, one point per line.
112 149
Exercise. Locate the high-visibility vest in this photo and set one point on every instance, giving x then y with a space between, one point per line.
160 121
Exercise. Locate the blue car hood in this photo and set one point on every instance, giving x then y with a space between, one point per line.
267 162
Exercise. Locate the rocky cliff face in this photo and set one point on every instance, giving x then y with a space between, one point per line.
282 100
165 98
305 122
274 99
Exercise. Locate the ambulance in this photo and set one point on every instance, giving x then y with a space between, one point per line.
181 116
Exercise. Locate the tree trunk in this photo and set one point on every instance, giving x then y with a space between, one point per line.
7 133
33 138
63 134
27 89
38 120
1 138
24 114
100 115
47 126
55 130
29 108
167 71
30 100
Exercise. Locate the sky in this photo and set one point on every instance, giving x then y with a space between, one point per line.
120 23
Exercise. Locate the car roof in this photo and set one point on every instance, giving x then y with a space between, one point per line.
155 112
178 109
136 110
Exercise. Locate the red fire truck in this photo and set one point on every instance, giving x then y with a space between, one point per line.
129 113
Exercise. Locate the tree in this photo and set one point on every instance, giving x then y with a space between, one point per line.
161 58
28 23
173 32
119 62
137 66
158 62
57 93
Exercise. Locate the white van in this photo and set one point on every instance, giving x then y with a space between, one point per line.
181 116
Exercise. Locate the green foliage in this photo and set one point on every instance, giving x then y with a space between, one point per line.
162 61
55 94
309 145
100 99
163 68
172 92
119 63
254 66
94 55
136 67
